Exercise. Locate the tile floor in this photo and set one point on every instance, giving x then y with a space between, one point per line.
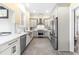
42 46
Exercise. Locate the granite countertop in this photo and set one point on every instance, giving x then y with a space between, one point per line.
7 38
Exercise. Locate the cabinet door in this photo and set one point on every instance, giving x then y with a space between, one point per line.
28 40
18 46
63 29
6 52
33 23
15 49
11 48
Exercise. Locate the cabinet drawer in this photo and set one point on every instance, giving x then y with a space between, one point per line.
6 45
6 52
12 42
3 47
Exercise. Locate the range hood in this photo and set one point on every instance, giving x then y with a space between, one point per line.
40 25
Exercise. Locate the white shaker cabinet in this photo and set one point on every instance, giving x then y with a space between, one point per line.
6 52
11 48
29 38
63 28
15 47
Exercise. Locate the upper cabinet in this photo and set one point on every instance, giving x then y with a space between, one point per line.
36 19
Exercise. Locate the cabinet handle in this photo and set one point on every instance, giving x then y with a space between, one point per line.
13 49
12 42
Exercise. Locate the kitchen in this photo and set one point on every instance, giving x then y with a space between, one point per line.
36 29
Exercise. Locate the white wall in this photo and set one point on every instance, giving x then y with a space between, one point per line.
71 29
77 21
27 16
4 25
72 8
12 21
8 24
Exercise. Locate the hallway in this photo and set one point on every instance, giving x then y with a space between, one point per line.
42 46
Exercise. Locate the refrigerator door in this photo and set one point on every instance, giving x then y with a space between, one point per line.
54 39
55 27
54 43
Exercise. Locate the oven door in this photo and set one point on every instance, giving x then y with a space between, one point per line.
40 33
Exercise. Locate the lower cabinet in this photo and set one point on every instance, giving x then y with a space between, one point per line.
13 48
35 33
29 38
6 52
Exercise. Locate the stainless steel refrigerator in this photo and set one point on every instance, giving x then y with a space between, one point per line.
54 33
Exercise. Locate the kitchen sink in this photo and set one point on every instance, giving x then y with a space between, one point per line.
5 33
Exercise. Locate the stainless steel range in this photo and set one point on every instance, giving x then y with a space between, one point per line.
41 33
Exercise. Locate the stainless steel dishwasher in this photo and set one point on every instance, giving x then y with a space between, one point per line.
22 43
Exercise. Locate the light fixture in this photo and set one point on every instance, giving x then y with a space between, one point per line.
34 11
47 11
27 4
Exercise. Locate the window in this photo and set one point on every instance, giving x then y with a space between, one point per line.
3 12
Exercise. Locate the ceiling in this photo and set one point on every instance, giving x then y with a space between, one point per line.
40 7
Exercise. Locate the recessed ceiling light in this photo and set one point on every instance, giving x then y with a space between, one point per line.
34 11
27 4
47 11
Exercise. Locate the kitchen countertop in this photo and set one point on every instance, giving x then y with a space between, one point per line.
5 39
